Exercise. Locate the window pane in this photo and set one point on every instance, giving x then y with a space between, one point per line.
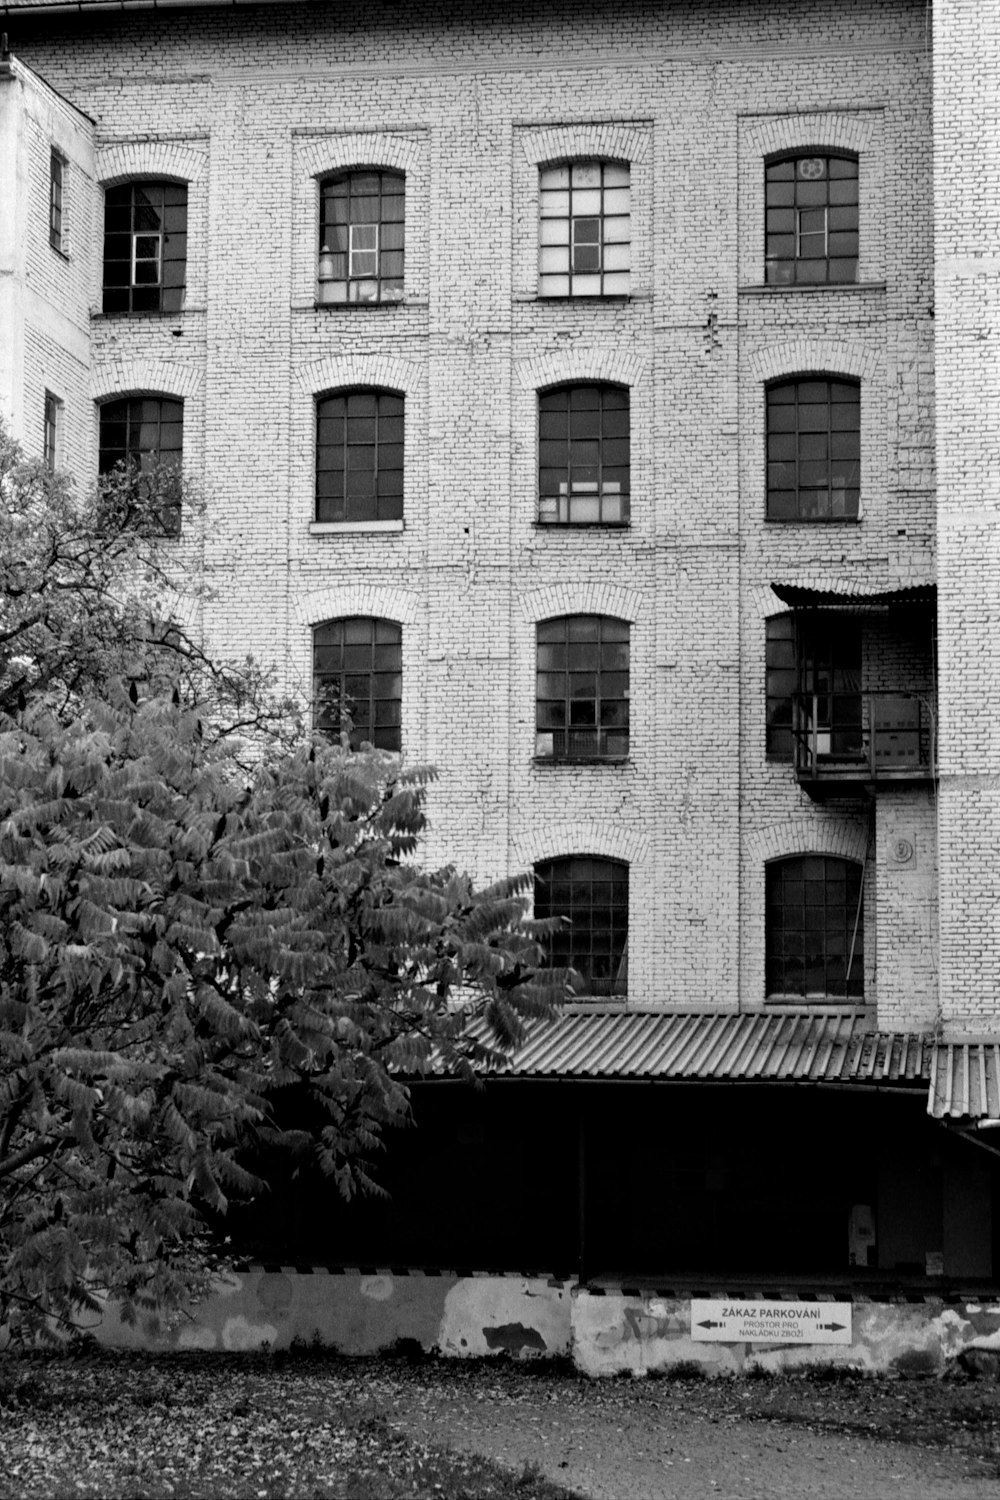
362 213
592 895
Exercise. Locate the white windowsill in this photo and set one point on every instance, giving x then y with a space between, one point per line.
760 289
337 528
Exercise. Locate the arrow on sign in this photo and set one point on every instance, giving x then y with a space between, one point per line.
833 1327
709 1324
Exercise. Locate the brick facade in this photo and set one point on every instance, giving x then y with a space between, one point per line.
253 107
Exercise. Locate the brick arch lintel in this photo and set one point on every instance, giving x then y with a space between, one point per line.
131 377
605 140
580 598
376 601
373 149
804 835
824 130
560 366
183 160
832 357
606 841
378 371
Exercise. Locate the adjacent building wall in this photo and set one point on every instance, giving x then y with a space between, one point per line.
45 293
967 342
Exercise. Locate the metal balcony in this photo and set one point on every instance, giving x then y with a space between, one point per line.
862 741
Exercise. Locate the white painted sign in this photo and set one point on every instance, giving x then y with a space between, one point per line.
715 1320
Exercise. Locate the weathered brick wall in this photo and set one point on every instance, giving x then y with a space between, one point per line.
967 338
469 102
44 292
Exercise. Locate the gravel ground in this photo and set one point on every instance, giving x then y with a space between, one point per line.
317 1426
783 1439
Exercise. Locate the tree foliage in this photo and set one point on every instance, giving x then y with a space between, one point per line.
180 937
88 596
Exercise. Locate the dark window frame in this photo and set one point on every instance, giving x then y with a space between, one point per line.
345 276
366 493
50 431
358 664
814 929
590 233
145 246
592 891
584 462
142 448
811 231
57 182
580 663
821 659
812 455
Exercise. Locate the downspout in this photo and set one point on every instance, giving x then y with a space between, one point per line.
861 890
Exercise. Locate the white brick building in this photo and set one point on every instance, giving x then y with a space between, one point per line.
639 334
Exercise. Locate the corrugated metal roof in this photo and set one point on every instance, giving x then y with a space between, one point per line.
831 1047
848 595
965 1081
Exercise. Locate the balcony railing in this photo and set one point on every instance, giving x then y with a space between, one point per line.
863 738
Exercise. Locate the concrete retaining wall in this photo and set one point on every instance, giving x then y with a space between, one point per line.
534 1317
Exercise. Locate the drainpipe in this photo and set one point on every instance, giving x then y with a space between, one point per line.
581 1194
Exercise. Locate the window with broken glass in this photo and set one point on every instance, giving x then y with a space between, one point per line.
582 688
583 456
584 230
590 895
361 226
812 220
813 450
815 929
145 247
358 680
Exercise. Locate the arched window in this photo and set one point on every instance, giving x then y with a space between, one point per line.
584 230
812 219
583 455
361 221
358 680
815 929
359 456
591 896
582 688
813 449
145 434
145 247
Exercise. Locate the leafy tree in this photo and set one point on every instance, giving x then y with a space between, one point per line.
181 936
87 595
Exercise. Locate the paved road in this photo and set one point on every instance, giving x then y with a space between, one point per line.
649 1452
